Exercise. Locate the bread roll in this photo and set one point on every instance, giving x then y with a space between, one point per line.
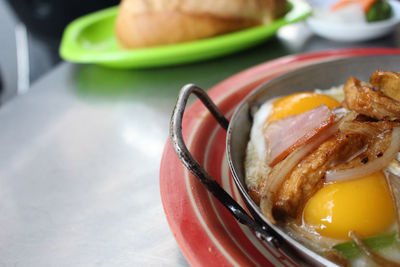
143 23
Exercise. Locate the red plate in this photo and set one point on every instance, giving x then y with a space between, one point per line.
207 233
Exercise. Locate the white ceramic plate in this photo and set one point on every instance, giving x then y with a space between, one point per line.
354 32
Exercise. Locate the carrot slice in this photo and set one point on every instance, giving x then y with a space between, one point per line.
365 4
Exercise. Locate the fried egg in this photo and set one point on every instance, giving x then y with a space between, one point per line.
364 205
276 109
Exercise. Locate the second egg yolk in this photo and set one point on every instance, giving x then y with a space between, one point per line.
299 103
363 205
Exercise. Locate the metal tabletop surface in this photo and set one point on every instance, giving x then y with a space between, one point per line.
80 156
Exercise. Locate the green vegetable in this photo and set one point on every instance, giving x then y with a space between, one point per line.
379 11
351 250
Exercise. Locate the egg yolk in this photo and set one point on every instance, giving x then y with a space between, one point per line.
363 205
299 103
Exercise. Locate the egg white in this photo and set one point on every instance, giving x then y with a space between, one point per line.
256 167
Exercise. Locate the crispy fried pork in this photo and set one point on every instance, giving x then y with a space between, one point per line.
376 145
365 99
308 176
388 83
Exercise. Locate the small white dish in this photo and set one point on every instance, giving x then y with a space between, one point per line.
347 31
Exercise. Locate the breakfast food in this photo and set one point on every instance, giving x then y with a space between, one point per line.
143 23
353 20
374 10
332 180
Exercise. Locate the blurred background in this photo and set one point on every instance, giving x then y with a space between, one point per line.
31 32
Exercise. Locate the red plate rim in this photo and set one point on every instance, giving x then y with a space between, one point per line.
206 233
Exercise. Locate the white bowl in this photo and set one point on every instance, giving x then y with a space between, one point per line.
354 32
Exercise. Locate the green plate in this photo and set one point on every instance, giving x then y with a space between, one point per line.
91 39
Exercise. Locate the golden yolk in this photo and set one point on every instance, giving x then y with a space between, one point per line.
363 205
299 103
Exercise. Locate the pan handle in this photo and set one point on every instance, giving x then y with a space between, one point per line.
192 165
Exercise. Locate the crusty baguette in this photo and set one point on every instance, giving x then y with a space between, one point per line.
143 23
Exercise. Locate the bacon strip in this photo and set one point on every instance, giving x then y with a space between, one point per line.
284 136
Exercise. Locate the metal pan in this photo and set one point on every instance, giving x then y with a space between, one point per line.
323 75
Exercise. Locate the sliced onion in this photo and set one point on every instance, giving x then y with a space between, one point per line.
345 116
340 112
360 128
358 153
394 185
283 168
370 167
381 261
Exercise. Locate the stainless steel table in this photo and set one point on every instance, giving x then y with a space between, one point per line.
80 156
